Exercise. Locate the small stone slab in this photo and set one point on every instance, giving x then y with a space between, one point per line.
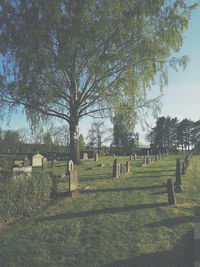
73 183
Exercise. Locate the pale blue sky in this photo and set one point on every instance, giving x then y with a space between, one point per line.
182 96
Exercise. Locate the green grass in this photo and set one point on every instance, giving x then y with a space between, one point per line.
115 222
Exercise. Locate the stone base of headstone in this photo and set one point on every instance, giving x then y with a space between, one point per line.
74 193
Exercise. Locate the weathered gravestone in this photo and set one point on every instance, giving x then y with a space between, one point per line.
73 183
170 193
116 169
128 166
134 156
37 160
178 182
85 155
131 157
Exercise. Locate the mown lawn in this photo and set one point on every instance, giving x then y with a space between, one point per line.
113 222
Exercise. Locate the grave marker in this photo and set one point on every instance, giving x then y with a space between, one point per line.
73 183
170 193
85 155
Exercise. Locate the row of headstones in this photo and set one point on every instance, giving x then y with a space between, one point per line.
148 159
177 187
119 169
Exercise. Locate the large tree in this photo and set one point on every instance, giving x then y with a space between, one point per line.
72 58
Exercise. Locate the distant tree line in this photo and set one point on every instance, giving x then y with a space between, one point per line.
171 134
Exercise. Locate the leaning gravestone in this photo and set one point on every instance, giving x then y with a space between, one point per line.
170 193
73 183
85 155
178 182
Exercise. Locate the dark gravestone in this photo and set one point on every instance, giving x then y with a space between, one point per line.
116 169
170 193
178 182
25 163
128 166
73 183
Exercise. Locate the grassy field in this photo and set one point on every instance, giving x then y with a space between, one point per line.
113 222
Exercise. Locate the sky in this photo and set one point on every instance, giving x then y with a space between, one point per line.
181 97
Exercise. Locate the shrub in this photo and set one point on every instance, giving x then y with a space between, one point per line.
24 194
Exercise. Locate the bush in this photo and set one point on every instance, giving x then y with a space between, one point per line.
24 194
6 162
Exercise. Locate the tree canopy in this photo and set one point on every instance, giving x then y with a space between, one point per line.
72 58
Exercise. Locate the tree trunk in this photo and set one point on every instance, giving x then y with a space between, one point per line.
74 142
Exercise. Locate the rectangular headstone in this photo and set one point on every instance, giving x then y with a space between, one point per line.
116 169
44 163
73 183
170 193
25 163
85 155
96 157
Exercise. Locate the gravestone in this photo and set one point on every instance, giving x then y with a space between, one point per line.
135 156
96 157
131 157
73 183
170 193
178 182
25 163
121 169
113 156
44 163
128 166
37 160
116 169
85 155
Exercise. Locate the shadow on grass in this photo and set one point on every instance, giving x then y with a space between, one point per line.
79 214
181 255
123 189
172 221
160 171
95 177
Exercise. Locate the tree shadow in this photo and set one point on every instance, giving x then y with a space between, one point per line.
171 222
123 189
113 210
97 177
181 255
